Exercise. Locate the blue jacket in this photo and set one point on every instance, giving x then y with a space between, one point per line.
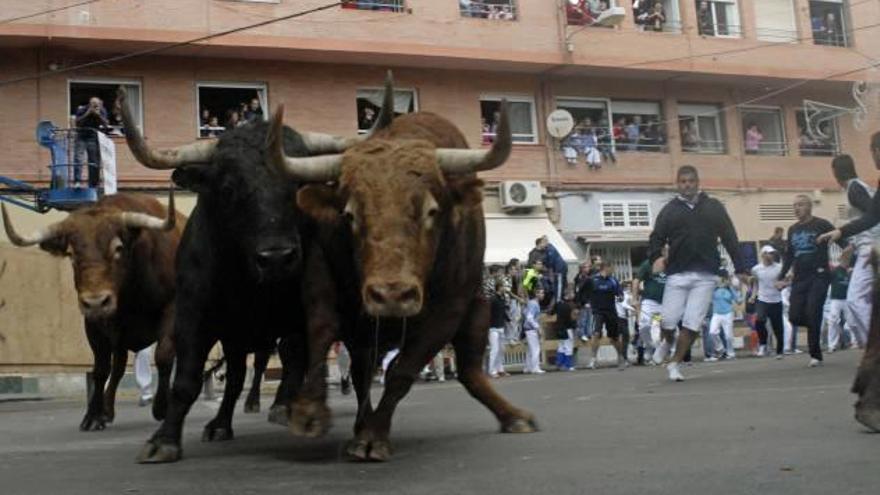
723 300
554 261
531 313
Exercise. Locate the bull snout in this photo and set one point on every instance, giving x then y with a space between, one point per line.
277 260
97 303
395 298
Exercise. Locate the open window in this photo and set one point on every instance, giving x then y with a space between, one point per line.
224 106
502 10
521 109
380 5
638 126
718 18
597 13
828 22
657 15
81 91
369 103
701 128
822 141
590 113
763 132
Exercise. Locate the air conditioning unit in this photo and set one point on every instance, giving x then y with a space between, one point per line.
520 194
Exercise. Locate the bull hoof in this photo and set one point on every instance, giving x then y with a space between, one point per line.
278 415
870 418
157 452
251 408
217 433
308 418
524 423
365 449
93 422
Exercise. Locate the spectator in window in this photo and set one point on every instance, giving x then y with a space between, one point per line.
368 119
90 119
253 112
204 117
591 150
634 133
619 131
493 128
574 144
507 13
656 18
753 138
829 29
232 119
704 17
690 139
577 13
603 137
650 138
485 132
212 128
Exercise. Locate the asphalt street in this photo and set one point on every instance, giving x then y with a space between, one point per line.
754 426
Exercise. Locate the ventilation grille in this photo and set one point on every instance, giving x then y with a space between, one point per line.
776 213
843 212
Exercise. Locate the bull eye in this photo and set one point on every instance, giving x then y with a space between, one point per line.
116 248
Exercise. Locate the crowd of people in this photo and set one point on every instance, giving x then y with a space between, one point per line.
585 12
502 10
598 143
649 15
210 125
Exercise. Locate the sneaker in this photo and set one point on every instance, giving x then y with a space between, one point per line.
780 356
572 369
730 357
345 386
815 362
710 359
674 374
592 364
493 375
584 338
539 371
660 353
831 350
797 351
145 400
762 351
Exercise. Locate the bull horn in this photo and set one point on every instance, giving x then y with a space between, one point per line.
38 236
316 142
322 168
386 114
200 151
143 221
464 161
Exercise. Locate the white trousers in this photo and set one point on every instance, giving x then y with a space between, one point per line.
496 350
648 310
722 323
533 351
858 296
143 374
787 329
836 312
343 361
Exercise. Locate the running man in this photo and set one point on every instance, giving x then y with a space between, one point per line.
647 294
769 300
604 290
809 285
691 224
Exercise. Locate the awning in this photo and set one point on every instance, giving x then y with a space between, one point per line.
509 236
624 236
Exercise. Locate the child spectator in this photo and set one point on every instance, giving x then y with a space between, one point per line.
565 325
532 331
754 137
723 300
634 133
498 319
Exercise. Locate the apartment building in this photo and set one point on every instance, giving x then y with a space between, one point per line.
730 86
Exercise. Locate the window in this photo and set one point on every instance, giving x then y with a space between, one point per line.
649 17
223 106
775 21
638 126
763 132
589 113
828 22
819 141
522 118
382 5
81 91
626 214
599 13
369 103
701 128
504 10
718 18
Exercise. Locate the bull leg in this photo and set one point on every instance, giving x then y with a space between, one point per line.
192 352
164 357
220 428
309 414
94 419
371 441
470 345
363 367
261 362
117 370
292 352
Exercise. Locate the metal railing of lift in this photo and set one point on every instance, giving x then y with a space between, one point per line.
504 10
380 5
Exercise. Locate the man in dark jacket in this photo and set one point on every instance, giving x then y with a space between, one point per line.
691 224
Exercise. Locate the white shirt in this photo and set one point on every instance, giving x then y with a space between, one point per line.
767 276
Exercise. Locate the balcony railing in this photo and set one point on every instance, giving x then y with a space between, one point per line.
769 148
381 5
502 10
705 146
829 38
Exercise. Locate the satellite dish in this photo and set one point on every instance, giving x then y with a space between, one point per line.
611 17
560 123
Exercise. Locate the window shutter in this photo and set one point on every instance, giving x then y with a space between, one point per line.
775 21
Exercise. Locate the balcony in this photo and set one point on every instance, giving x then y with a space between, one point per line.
380 5
500 10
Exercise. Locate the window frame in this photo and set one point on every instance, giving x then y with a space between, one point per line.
627 222
259 86
664 148
835 124
844 23
720 127
606 101
677 24
109 108
780 113
514 5
413 90
517 98
737 28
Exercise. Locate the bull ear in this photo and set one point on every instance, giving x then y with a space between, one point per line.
319 202
467 192
56 246
195 178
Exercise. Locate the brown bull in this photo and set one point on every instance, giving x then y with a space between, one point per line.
867 383
403 241
122 250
